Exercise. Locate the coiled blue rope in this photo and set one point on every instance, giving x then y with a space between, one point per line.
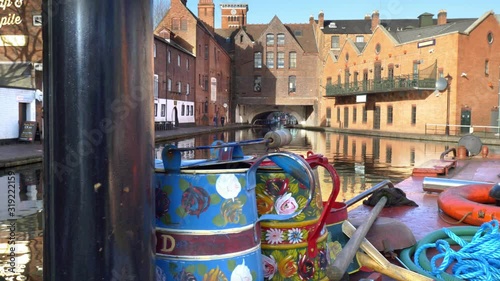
478 259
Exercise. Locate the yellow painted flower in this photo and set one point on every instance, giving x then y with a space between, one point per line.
287 267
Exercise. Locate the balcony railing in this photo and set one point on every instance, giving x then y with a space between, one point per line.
396 83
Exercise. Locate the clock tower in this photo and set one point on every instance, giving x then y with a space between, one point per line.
233 15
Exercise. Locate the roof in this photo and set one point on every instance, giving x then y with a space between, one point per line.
174 45
364 26
302 32
409 35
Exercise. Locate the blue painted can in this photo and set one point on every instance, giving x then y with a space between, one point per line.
207 221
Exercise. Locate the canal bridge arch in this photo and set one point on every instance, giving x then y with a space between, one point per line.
252 113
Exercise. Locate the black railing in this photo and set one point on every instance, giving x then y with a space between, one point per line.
396 83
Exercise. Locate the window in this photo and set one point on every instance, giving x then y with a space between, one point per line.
169 54
338 114
281 39
184 24
413 114
355 80
335 42
292 84
188 90
192 110
179 87
183 110
270 39
156 110
293 60
163 110
178 60
390 72
169 85
206 51
415 69
154 50
270 60
281 60
365 115
354 115
328 80
489 37
360 39
156 86
486 67
257 83
205 83
378 48
389 114
347 77
176 24
187 64
257 60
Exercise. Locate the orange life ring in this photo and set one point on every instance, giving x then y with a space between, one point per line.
471 203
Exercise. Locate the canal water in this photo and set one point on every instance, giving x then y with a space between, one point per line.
361 161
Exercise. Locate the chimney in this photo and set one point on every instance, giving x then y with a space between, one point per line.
321 19
311 20
375 19
206 13
442 17
425 19
368 17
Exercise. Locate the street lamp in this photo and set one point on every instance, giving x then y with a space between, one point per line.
444 83
448 79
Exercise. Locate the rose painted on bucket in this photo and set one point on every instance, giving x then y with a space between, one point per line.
265 203
287 267
306 267
195 200
241 273
228 186
286 204
270 266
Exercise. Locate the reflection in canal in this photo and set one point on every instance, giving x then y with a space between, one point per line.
361 162
21 223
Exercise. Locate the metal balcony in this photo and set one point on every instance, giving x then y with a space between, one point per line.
396 83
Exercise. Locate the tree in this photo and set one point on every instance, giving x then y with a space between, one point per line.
160 9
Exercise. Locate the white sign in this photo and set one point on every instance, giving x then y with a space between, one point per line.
361 98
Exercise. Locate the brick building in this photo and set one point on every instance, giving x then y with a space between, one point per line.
20 67
174 69
276 67
388 83
212 86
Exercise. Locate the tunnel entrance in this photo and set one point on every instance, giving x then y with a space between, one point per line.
275 119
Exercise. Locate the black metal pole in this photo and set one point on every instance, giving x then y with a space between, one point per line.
447 128
98 150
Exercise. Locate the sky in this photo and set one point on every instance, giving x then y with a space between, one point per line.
299 11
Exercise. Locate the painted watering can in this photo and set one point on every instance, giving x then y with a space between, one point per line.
207 221
296 248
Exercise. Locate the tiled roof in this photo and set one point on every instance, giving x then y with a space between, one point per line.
416 34
364 26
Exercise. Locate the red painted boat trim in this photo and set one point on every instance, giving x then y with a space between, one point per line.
471 203
170 242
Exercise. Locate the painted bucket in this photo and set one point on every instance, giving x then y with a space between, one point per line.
207 224
337 239
296 248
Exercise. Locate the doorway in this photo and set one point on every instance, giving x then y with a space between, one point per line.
465 120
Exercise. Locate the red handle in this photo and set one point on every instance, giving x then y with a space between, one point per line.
314 161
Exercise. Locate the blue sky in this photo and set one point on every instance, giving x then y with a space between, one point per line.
299 11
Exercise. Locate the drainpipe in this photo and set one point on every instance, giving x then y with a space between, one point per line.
99 142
